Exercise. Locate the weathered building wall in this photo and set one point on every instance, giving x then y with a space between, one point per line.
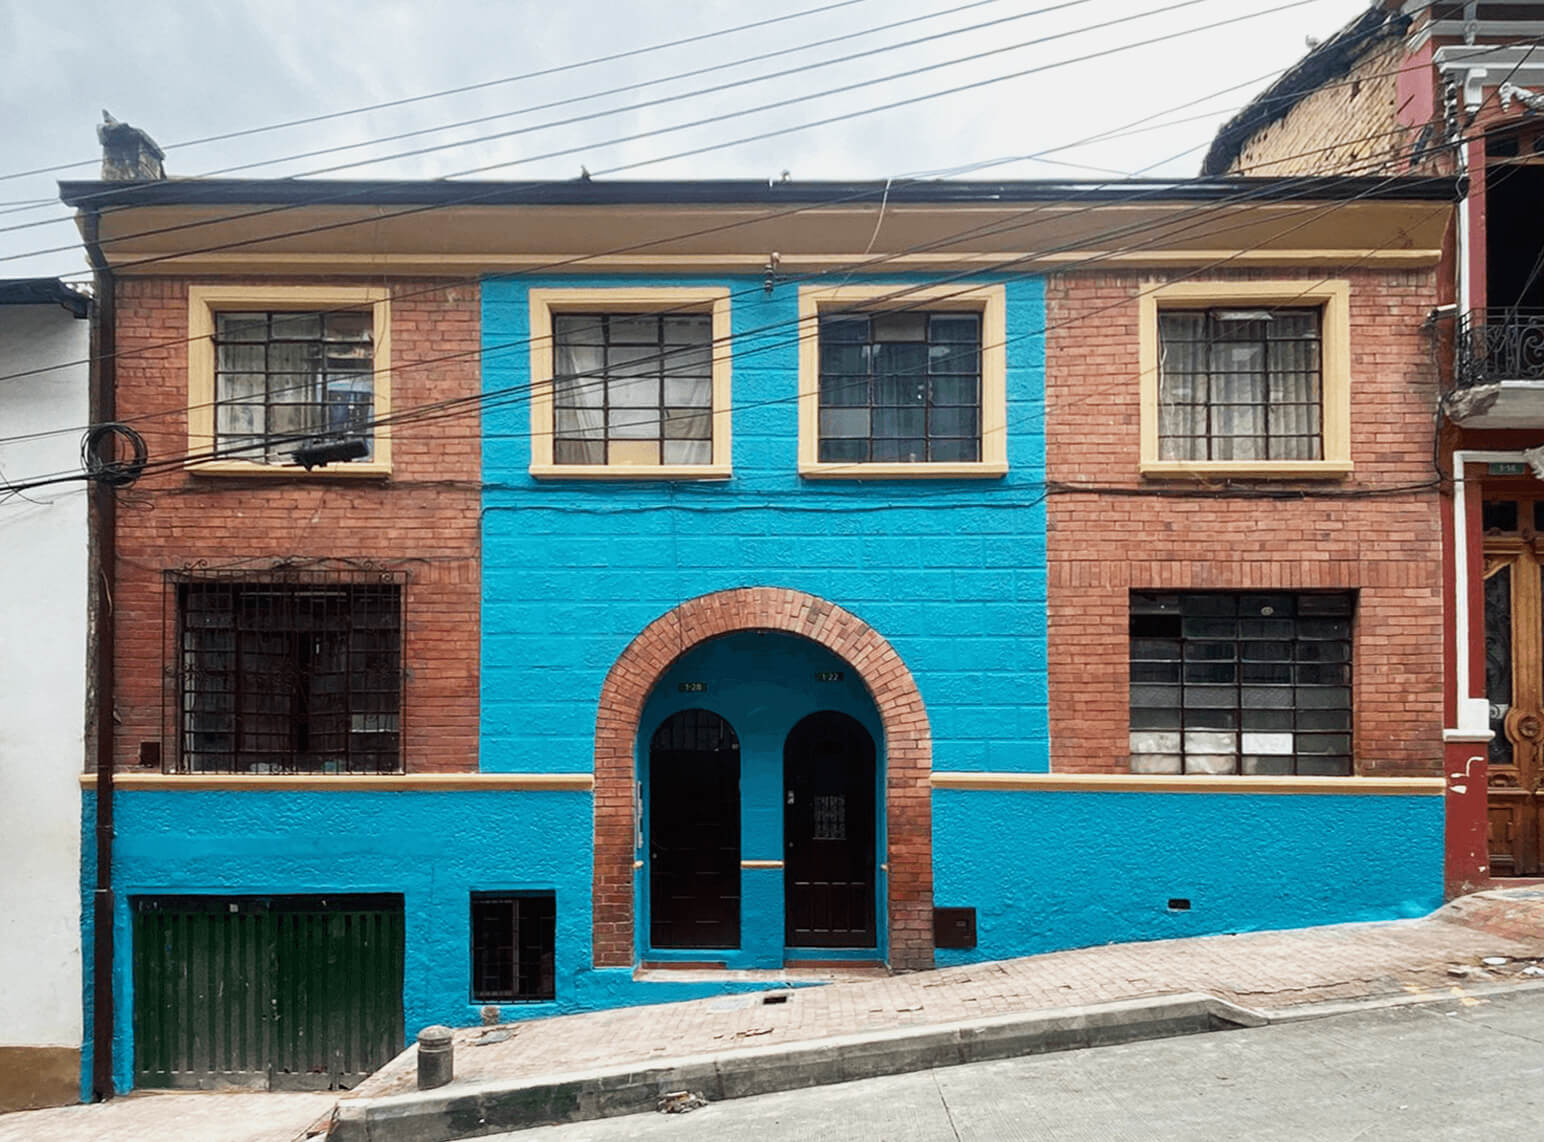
42 704
1351 125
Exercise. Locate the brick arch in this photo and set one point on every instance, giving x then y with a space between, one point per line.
908 754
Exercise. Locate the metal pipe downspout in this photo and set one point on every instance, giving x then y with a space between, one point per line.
104 565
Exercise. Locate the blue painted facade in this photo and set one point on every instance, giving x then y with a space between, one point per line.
1053 870
952 573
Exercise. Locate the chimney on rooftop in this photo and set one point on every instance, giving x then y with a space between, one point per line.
128 154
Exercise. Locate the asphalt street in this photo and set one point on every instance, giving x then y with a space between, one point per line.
1456 1070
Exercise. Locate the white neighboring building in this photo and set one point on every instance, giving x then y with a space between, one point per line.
43 584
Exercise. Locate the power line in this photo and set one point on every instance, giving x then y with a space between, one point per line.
479 402
690 153
1013 223
701 37
619 110
472 279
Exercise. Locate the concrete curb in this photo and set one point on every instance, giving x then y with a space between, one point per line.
472 1109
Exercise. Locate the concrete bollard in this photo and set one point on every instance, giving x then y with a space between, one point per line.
436 1057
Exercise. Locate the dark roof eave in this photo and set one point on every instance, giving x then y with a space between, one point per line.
43 291
579 192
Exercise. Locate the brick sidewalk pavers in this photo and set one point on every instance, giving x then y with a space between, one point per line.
1265 970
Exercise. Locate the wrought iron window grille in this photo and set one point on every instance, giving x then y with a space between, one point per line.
285 671
514 940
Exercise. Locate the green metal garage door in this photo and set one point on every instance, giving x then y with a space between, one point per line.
282 992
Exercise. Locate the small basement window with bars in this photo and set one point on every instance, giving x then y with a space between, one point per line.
1254 684
1240 384
514 937
297 672
286 378
901 387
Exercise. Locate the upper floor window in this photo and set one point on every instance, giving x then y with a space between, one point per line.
1246 378
630 383
632 389
899 381
300 673
276 369
1240 384
1258 684
900 388
284 379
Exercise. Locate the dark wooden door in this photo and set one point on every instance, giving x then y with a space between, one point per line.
694 833
828 833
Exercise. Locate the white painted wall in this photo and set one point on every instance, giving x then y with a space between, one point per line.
43 584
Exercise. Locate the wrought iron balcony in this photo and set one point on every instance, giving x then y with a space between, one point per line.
1498 370
1497 345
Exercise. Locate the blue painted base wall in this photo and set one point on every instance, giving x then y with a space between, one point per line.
1045 871
1053 870
435 848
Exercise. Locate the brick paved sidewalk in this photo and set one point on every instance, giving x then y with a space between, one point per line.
1265 970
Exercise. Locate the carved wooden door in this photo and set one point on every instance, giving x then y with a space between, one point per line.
1514 684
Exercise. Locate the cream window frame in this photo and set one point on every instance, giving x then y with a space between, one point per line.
1334 299
205 301
990 302
666 300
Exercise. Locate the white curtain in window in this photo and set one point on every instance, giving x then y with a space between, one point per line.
1182 387
580 391
1295 384
1238 399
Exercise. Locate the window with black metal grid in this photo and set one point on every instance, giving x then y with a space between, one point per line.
901 387
1239 384
292 672
285 378
1256 684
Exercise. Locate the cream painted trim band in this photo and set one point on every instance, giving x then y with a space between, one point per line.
1335 369
544 303
204 301
990 301
339 783
761 864
1149 783
434 264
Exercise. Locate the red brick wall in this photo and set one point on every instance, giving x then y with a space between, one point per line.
1102 546
423 521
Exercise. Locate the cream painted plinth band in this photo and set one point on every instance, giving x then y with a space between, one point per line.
353 783
1160 783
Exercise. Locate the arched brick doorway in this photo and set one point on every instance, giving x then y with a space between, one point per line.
908 750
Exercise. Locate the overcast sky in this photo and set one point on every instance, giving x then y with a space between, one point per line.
187 69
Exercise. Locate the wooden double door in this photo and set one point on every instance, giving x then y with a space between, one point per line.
1514 686
829 796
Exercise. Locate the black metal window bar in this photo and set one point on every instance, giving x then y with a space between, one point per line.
283 379
901 387
514 941
632 389
1240 384
1499 345
291 672
1255 684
